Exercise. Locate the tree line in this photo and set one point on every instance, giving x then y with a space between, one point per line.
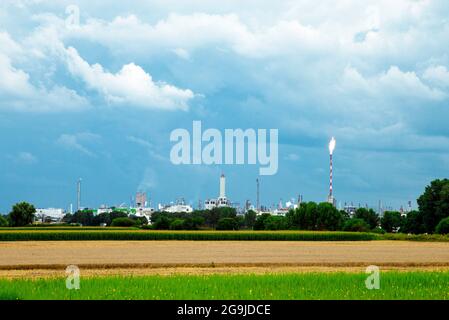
432 217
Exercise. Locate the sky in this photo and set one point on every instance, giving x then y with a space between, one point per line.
97 97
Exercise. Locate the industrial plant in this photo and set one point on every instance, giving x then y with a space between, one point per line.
141 206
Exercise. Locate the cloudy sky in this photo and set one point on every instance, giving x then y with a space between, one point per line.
97 98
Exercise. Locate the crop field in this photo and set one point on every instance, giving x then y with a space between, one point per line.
151 254
340 286
173 269
71 234
120 233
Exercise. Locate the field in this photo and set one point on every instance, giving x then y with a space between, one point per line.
148 255
393 285
72 234
111 233
200 269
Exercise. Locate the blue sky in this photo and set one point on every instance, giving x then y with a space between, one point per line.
99 99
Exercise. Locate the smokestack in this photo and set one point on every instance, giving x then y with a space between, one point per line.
79 195
332 144
222 186
258 195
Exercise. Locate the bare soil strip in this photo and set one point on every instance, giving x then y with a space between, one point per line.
50 258
88 273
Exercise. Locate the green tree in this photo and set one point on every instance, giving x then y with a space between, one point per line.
368 215
443 226
22 214
193 223
434 204
391 221
83 217
227 224
412 223
227 212
139 221
356 225
310 214
292 217
260 221
211 217
276 223
250 218
241 221
328 217
103 217
3 221
161 221
123 222
177 224
117 214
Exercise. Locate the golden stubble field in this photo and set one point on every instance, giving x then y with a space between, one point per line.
47 258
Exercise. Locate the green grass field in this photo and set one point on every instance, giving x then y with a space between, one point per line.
127 234
347 286
111 233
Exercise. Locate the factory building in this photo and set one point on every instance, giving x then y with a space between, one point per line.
49 215
222 200
141 200
179 206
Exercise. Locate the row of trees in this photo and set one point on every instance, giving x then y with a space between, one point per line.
23 214
114 218
432 216
309 216
218 218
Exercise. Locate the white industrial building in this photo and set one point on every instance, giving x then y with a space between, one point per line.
179 206
49 214
222 200
143 212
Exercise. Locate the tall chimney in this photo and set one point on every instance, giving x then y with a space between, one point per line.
258 196
79 195
330 179
222 186
332 144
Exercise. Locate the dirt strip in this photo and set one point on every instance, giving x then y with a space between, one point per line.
167 257
88 273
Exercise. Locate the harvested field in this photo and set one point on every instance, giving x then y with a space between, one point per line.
167 257
196 271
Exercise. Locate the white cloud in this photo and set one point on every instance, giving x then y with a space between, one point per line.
182 53
182 33
13 81
130 86
18 93
438 75
392 83
76 142
26 158
8 46
298 28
